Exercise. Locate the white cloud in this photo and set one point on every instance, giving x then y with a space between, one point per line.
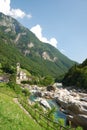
37 30
16 13
53 42
5 6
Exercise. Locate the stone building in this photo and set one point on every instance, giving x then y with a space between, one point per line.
21 76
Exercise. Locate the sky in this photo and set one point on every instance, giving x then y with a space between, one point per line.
61 23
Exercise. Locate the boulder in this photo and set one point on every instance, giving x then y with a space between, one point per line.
74 108
51 88
38 94
45 103
59 85
61 102
77 107
84 99
79 120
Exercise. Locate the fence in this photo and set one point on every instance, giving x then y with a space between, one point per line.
43 120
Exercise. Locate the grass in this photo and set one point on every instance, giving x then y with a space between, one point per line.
41 117
27 72
5 89
12 117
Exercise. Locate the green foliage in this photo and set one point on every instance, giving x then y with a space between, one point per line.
12 84
79 128
15 87
50 113
77 76
25 82
4 88
26 92
30 58
7 68
36 105
59 78
41 81
12 117
48 80
61 121
84 63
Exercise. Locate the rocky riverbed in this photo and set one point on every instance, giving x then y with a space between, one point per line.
75 104
72 101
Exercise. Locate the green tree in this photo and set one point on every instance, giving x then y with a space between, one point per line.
26 92
48 80
7 68
50 113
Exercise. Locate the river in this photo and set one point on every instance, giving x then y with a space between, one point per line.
58 114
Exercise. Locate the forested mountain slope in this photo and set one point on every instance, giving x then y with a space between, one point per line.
77 76
19 44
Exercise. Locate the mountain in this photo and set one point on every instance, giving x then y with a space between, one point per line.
19 44
77 76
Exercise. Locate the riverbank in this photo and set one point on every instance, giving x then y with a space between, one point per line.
72 101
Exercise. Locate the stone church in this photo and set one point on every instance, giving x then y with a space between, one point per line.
21 76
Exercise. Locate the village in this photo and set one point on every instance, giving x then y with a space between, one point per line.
72 102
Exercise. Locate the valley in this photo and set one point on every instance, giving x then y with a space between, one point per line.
31 69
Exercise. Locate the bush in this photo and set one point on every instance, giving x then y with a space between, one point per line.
26 92
7 68
48 80
79 128
15 87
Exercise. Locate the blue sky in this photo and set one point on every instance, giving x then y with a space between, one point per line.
62 23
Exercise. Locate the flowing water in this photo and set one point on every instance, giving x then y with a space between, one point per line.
58 114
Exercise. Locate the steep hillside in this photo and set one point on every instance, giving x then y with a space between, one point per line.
18 44
77 76
12 115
